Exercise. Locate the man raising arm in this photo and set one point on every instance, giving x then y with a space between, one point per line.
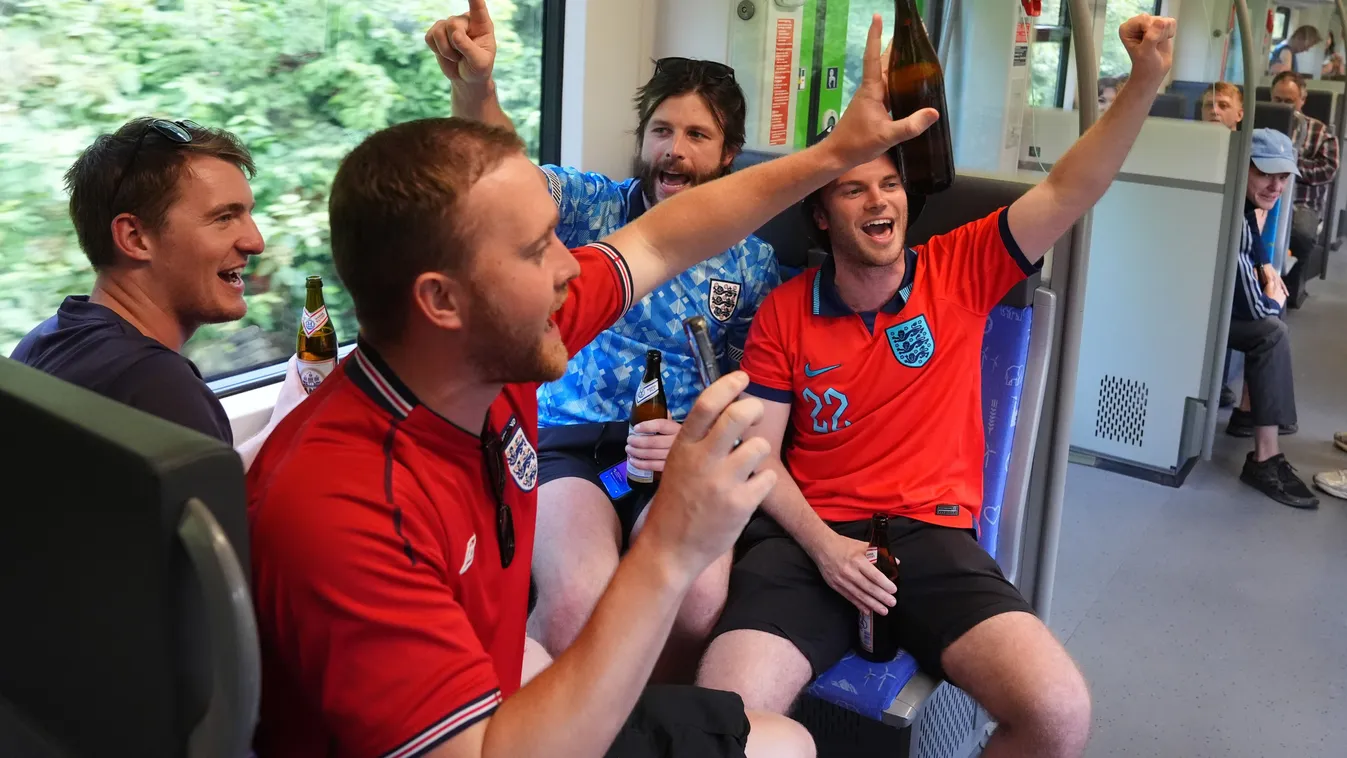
916 318
391 599
690 128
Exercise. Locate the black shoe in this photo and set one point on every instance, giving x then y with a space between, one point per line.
1227 397
1276 478
1241 424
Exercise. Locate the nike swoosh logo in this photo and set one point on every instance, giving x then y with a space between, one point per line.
811 373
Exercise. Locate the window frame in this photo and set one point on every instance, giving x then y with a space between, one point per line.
549 151
1285 15
1058 33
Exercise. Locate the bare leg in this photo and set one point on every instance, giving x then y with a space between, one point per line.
774 736
535 660
574 557
1013 666
1265 442
696 618
767 671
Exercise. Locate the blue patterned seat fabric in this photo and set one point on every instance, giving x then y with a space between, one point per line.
870 688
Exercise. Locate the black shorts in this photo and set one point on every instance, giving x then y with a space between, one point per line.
583 451
675 721
947 584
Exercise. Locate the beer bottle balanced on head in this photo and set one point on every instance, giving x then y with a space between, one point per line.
916 81
316 345
650 404
877 639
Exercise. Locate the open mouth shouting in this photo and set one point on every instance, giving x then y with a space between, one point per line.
880 230
233 277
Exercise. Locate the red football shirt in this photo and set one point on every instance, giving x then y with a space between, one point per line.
886 407
387 622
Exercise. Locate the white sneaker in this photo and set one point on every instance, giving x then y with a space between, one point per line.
1340 439
1333 482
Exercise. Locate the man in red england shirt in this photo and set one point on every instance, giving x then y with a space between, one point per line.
873 363
392 513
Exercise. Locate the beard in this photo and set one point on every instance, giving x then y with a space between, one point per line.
648 175
507 353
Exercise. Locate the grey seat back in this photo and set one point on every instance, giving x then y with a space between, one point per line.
128 626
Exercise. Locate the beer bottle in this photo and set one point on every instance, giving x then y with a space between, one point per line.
316 345
650 404
915 82
878 641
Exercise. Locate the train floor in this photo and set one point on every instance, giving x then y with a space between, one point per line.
1210 620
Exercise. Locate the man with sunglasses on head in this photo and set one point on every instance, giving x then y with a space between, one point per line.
690 129
392 596
163 211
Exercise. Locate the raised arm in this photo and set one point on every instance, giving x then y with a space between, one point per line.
576 706
699 223
465 48
1039 218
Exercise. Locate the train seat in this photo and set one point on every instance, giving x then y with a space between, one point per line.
872 689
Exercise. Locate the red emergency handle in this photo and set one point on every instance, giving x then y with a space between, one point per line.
1033 7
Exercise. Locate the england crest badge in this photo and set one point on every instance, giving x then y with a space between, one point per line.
723 298
911 342
522 460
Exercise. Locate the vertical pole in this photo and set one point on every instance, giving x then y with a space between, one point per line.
1235 191
1069 283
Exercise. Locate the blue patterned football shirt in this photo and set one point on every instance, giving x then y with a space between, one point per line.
601 380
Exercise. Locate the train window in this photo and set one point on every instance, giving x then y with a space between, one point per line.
1113 60
1281 24
301 82
858 26
1051 56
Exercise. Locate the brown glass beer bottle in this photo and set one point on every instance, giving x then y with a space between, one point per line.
316 345
877 640
650 404
916 81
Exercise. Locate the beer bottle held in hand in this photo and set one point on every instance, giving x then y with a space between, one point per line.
316 346
916 81
650 404
878 641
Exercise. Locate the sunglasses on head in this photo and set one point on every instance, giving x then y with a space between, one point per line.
708 70
176 132
493 449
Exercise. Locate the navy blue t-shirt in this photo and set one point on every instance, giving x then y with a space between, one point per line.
91 346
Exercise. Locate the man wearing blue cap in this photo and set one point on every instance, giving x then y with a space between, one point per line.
1257 330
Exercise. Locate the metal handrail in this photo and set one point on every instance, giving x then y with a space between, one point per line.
1235 191
1068 281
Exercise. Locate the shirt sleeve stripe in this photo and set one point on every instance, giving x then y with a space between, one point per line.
769 393
554 185
623 271
1013 247
448 726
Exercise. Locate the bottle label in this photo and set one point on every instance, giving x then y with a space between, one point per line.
312 373
872 554
867 631
647 391
312 322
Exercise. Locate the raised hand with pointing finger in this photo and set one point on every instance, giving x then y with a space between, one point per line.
465 47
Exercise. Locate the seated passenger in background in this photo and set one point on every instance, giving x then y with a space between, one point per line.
691 126
870 367
1257 330
391 595
163 211
1222 103
1109 87
1318 163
